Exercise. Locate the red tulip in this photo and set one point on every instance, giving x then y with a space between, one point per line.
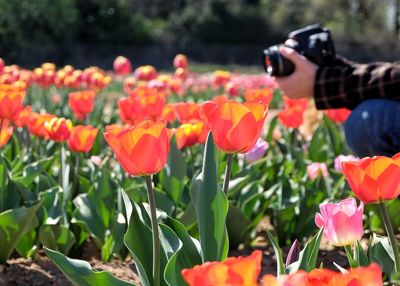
236 127
81 103
186 111
6 131
291 117
143 103
302 103
190 133
180 61
23 117
338 115
141 149
145 73
221 77
122 65
58 129
82 138
36 123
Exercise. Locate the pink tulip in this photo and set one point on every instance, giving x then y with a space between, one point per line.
342 222
343 158
257 152
96 160
316 169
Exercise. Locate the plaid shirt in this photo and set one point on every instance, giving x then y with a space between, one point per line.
346 84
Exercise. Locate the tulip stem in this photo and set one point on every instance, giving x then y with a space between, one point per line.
76 174
3 186
229 160
64 182
390 233
154 228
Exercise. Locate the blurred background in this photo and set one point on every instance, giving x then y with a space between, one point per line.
94 32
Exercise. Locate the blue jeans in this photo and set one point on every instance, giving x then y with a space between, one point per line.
373 128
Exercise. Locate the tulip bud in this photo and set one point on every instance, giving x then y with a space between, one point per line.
294 253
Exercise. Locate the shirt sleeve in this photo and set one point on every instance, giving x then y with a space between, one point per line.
348 84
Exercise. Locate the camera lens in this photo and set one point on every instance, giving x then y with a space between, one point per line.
275 64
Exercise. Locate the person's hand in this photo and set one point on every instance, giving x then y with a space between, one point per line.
300 83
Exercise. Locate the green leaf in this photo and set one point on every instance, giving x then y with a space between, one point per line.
113 242
87 215
271 129
57 237
280 266
80 272
350 258
336 140
381 252
138 240
173 176
237 225
185 251
318 150
360 256
14 224
308 256
52 205
211 205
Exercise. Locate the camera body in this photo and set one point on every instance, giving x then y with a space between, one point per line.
313 42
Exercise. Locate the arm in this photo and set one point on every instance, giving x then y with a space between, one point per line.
350 84
343 85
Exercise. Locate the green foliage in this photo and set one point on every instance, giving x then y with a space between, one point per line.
211 205
14 223
25 24
79 272
109 21
209 23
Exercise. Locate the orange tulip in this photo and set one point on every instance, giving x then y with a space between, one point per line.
81 103
58 129
6 131
338 115
141 149
374 179
240 271
168 113
236 127
23 117
190 133
82 138
361 276
11 99
36 123
263 95
291 117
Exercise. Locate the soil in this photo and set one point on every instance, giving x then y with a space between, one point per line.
41 271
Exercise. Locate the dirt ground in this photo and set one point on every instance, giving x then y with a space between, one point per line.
41 271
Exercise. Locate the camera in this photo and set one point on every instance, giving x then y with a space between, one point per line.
313 42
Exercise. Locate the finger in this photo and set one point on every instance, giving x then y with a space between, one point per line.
292 55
